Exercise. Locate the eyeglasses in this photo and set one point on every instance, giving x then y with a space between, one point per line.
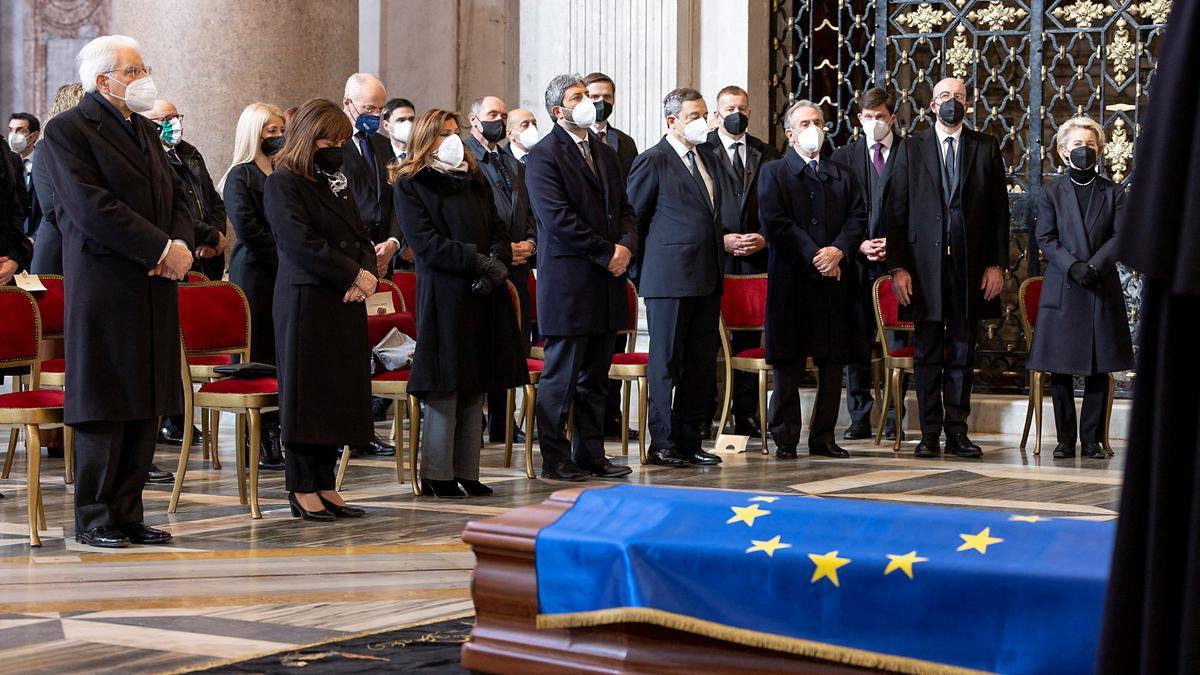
946 96
368 109
168 118
132 71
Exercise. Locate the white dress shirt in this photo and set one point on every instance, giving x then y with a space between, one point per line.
682 150
887 148
727 142
942 136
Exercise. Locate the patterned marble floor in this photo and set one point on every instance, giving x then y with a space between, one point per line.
230 588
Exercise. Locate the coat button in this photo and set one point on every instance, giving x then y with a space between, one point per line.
814 221
342 244
357 245
812 195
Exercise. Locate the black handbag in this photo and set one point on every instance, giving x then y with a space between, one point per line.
246 371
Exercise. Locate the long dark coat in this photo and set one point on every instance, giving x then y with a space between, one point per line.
809 314
321 346
467 342
47 254
118 205
1080 331
253 262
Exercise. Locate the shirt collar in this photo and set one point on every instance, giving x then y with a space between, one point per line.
680 149
887 142
727 140
600 127
942 136
516 151
808 160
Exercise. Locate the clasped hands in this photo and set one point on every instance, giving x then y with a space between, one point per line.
492 272
175 264
205 251
828 262
875 250
522 251
363 287
741 245
619 262
993 282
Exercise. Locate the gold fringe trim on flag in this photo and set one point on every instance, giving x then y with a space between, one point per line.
750 638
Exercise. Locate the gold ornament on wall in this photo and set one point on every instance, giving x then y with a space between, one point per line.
925 18
996 16
1084 12
1155 10
960 56
1118 151
1120 51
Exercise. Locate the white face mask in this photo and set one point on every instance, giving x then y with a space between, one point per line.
401 130
18 142
139 94
583 114
529 137
451 150
696 131
811 138
875 130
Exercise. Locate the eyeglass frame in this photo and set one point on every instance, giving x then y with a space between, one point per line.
143 71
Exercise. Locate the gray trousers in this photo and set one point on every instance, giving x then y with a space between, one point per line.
453 435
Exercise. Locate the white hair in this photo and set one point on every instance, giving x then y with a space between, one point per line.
357 82
100 56
788 122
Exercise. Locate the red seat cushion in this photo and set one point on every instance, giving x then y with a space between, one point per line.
233 385
904 352
379 325
541 344
393 376
631 359
27 400
207 360
756 353
535 365
54 366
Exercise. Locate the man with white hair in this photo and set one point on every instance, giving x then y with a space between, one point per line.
127 238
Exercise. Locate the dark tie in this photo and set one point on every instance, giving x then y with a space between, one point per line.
813 171
368 153
697 176
951 167
602 135
174 156
587 156
494 159
877 160
739 168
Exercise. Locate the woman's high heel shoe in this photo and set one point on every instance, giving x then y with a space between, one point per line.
445 489
474 487
300 512
345 511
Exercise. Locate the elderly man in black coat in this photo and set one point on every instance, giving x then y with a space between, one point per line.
814 216
127 238
947 248
587 236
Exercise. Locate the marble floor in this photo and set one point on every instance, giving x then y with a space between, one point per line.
230 588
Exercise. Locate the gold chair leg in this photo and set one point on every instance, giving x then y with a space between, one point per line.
215 443
12 452
726 398
255 449
883 407
185 449
898 403
643 404
69 454
1037 412
1112 390
205 435
625 387
530 402
414 440
762 409
510 402
342 464
33 479
398 436
1028 413
239 454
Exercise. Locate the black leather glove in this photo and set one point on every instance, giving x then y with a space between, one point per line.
1078 272
482 286
490 268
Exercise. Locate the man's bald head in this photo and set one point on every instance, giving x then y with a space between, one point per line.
364 95
948 89
162 109
953 85
521 118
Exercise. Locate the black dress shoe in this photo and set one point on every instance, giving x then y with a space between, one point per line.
138 533
606 469
270 454
928 447
474 487
376 448
785 452
1064 451
959 444
158 476
746 426
665 457
442 489
1094 451
567 471
830 450
298 511
171 433
346 511
613 432
104 536
857 431
702 458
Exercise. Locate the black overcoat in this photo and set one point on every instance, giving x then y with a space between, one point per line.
253 262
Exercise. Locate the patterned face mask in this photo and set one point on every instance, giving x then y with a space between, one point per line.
171 131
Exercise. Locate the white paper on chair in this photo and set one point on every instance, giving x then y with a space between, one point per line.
730 443
30 283
380 303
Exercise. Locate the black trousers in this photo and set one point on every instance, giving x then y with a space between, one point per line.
576 371
684 338
859 400
1095 401
784 418
612 392
945 360
111 461
310 468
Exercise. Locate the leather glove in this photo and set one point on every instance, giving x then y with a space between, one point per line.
490 268
1078 272
482 286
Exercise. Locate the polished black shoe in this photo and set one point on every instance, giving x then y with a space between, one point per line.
960 445
746 426
830 450
376 448
346 511
928 447
665 457
270 454
567 471
379 408
1064 451
298 511
158 476
702 458
442 489
785 452
613 432
857 431
1094 451
474 487
104 536
606 469
138 533
171 433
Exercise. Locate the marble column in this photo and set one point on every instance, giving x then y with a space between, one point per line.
213 58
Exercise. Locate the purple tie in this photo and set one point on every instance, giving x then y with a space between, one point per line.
877 159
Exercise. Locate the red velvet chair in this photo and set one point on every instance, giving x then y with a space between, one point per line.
535 374
214 319
744 307
406 283
194 277
895 361
32 410
629 367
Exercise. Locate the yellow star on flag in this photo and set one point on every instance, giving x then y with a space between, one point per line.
904 563
1029 519
769 546
746 514
979 542
764 499
827 566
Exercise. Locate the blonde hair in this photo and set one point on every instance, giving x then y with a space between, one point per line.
249 135
65 98
1080 122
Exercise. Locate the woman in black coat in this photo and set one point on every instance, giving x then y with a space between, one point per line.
470 342
253 263
325 263
1082 328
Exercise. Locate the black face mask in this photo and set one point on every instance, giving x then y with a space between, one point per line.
493 130
1083 158
272 145
951 112
329 159
736 123
603 110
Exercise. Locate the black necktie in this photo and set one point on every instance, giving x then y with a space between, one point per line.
496 161
368 153
174 156
950 167
739 167
698 177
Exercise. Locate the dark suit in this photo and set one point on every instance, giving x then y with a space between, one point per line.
119 204
47 254
204 203
581 216
627 152
372 193
625 146
878 193
678 274
254 262
947 304
808 314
